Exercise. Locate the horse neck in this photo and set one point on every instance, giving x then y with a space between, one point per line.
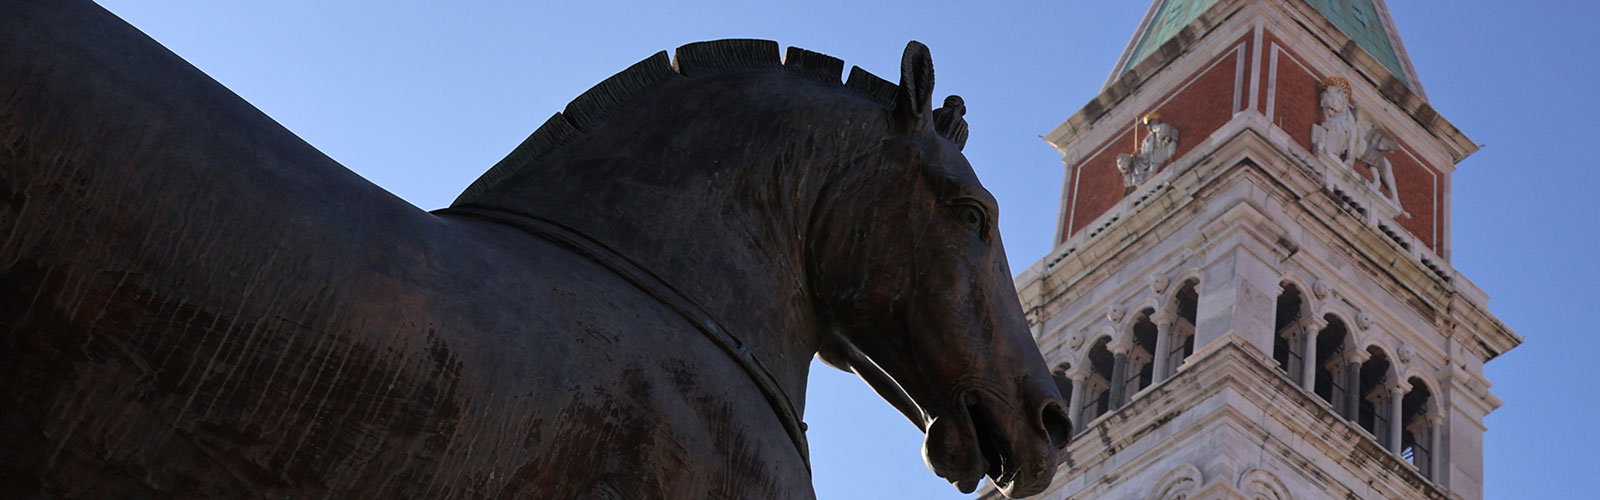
715 196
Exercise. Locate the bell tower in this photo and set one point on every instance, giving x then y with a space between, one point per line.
1251 295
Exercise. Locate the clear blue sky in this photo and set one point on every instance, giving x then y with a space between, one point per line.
422 96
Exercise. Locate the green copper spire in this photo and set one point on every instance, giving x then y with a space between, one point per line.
1168 20
1358 19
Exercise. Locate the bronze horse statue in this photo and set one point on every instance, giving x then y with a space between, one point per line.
196 303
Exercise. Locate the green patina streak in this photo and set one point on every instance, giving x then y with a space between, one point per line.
1357 18
1169 19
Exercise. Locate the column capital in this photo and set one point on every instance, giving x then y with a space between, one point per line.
1120 345
1398 387
1314 323
1355 355
1139 357
1164 318
1078 373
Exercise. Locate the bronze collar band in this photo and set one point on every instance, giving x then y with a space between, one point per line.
630 271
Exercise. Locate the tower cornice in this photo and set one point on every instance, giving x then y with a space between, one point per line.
1084 260
1222 391
1197 37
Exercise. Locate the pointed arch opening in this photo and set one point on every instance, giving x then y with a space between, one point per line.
1331 382
1097 386
1141 368
1064 387
1063 384
1186 302
1288 345
1418 435
1373 411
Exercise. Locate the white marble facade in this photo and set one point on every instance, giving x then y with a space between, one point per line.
1229 331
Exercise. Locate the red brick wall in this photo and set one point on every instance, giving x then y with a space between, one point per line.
1295 94
1098 185
1203 103
1261 73
1207 103
1420 196
1197 107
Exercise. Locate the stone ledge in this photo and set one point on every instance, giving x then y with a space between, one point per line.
1227 386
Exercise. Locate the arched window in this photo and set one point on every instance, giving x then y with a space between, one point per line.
1063 384
1373 413
1187 303
1097 387
1064 387
1288 347
1331 381
1418 435
1141 369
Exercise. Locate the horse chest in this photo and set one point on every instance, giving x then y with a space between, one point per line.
644 406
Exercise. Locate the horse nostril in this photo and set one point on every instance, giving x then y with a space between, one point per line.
1056 424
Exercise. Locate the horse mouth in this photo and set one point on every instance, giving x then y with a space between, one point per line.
970 442
965 454
992 447
1017 473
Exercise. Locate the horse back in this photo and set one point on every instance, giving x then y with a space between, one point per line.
195 303
471 371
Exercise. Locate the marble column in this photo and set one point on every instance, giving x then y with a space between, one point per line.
1119 386
1308 366
1164 321
1397 393
1119 372
1078 376
1352 389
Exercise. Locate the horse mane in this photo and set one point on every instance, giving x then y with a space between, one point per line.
594 106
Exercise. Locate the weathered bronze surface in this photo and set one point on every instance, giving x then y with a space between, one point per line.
196 303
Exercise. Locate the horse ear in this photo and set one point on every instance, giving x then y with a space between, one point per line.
915 96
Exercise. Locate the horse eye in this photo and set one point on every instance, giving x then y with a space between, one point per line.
972 216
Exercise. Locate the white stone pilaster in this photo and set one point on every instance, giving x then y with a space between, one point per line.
1238 289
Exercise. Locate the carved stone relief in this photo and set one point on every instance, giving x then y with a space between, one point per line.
1377 142
1336 135
1179 483
1321 289
1075 339
1261 484
1158 147
1347 140
1158 283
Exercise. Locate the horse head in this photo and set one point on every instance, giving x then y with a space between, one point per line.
914 294
806 216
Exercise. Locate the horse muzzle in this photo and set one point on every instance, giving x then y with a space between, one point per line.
982 435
